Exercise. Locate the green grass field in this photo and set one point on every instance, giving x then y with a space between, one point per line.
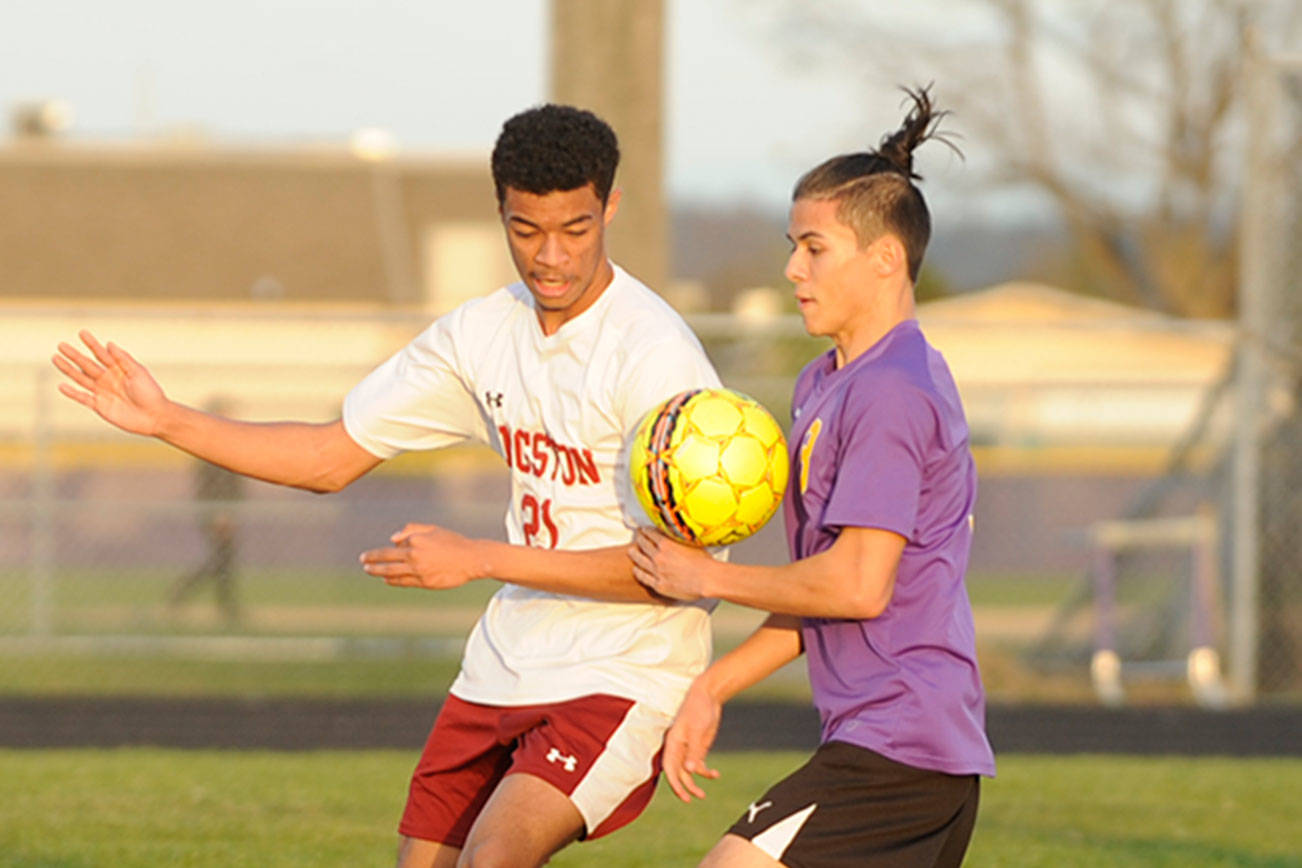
139 807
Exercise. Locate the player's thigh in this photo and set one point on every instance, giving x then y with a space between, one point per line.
733 851
603 752
524 822
463 761
419 853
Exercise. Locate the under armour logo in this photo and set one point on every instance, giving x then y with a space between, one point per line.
555 756
493 399
754 809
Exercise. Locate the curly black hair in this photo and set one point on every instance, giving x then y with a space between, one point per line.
555 147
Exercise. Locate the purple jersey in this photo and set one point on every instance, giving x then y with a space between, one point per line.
882 443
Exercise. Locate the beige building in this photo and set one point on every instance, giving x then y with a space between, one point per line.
191 221
1040 367
145 223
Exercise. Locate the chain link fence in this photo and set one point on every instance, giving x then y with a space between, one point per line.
1137 524
127 567
1199 573
1268 480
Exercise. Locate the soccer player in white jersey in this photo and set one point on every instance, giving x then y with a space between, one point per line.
553 728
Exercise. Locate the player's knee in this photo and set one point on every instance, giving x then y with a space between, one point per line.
499 853
418 853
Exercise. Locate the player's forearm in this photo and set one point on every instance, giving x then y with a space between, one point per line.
297 454
773 645
826 585
601 574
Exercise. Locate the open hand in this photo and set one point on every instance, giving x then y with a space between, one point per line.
689 739
670 569
113 384
423 556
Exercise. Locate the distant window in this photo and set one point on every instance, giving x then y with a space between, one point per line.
464 259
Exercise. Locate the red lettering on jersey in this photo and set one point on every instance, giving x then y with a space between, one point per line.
587 467
557 451
547 520
521 455
540 444
533 517
570 473
506 442
530 451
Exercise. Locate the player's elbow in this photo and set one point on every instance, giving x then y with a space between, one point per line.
325 476
323 486
869 598
335 461
329 482
864 610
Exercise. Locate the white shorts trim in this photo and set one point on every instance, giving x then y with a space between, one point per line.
777 838
626 764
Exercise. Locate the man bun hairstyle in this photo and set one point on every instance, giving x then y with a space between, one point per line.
551 148
874 190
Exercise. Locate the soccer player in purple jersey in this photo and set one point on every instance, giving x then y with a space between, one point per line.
879 523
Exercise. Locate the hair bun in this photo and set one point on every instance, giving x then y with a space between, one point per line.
921 123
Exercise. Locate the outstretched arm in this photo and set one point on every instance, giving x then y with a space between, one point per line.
776 643
317 457
428 556
854 578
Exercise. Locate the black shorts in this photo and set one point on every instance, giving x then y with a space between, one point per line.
853 807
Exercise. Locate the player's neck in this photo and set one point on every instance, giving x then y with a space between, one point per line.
551 320
883 310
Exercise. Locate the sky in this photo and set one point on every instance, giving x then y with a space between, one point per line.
751 98
745 114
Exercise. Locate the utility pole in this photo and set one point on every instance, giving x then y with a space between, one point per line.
607 56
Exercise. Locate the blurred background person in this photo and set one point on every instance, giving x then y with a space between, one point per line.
217 493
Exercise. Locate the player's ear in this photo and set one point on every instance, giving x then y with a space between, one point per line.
612 205
888 255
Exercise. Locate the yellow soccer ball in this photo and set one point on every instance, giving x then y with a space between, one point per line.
709 466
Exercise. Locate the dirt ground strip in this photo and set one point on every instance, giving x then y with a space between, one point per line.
296 724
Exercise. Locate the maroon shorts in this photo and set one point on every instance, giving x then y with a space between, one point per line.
603 752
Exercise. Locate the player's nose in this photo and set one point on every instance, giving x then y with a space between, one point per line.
795 270
551 251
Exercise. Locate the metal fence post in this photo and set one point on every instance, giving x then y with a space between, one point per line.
43 506
1258 250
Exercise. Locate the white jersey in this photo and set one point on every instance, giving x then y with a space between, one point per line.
560 409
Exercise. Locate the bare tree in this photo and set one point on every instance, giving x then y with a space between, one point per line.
1129 118
1120 113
